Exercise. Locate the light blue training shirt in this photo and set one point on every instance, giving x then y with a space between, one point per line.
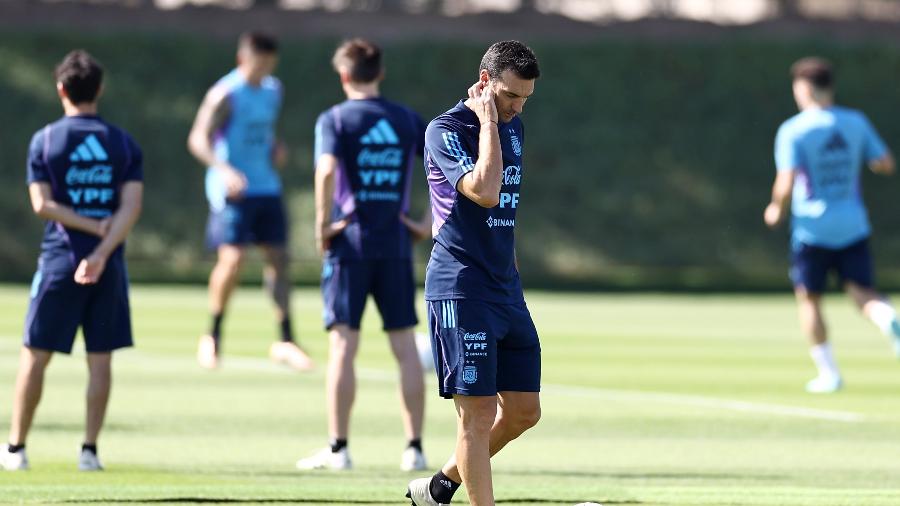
828 148
247 138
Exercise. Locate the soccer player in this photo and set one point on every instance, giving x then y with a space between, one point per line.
234 135
819 155
365 149
486 348
85 178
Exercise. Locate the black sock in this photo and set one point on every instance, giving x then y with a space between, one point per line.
338 445
415 443
91 448
287 333
11 448
216 329
443 488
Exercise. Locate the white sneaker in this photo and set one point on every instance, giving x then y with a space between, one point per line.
207 354
17 461
291 355
824 384
326 459
419 493
88 461
413 460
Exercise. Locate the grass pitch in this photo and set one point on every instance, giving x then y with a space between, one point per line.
648 399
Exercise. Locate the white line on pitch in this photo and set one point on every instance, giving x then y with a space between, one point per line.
703 402
683 400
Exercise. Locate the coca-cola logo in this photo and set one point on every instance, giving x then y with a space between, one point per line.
98 174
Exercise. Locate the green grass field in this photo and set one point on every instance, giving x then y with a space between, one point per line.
648 399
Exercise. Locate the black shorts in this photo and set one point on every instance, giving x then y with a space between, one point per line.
250 220
482 348
346 285
59 306
811 265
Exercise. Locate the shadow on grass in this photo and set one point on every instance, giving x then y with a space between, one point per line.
214 500
648 476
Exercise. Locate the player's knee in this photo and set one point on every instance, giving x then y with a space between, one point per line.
520 420
230 260
478 416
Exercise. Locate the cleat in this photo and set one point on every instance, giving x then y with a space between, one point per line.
207 354
413 460
419 493
291 355
17 461
88 461
824 384
326 459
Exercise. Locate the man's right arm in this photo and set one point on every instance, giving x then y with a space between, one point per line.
46 207
210 117
482 185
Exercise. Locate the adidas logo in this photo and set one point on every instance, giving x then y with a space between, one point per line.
88 151
836 143
381 133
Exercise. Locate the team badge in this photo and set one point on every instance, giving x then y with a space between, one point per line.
516 145
470 374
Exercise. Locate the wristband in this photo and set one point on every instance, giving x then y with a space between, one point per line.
489 121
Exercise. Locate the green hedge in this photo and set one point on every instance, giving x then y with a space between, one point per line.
648 163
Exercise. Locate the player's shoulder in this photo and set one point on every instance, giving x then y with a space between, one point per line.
850 114
453 120
272 83
120 136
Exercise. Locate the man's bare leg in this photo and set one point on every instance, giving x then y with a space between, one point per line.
412 381
28 390
222 281
277 281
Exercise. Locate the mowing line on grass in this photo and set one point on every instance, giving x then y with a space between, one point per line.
608 394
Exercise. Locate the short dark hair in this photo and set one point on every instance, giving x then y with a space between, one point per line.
80 75
360 58
259 42
510 55
817 71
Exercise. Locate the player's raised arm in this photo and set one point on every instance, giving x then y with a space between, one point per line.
482 184
131 201
211 115
46 207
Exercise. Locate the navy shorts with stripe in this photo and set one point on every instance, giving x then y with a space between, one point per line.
481 348
59 306
811 265
250 220
346 285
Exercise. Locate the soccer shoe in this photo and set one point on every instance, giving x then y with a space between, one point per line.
17 461
419 493
207 355
88 461
291 355
326 459
824 384
412 460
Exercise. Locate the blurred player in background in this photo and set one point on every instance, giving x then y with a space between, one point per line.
234 136
85 178
819 155
486 348
365 149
